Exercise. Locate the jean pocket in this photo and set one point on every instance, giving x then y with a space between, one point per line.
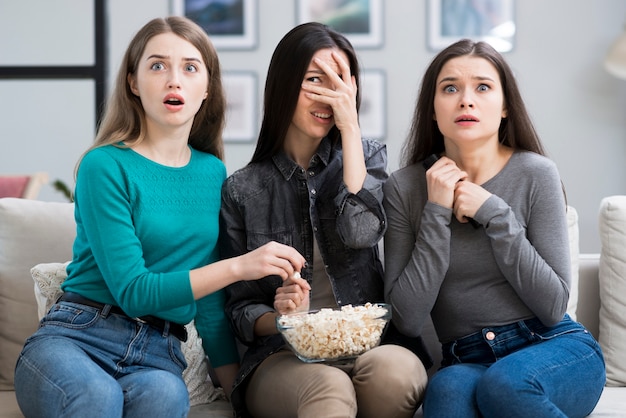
566 326
70 315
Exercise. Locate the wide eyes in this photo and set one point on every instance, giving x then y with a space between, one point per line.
453 89
189 67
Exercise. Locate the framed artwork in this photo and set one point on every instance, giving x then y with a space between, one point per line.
373 115
360 20
481 20
231 24
240 88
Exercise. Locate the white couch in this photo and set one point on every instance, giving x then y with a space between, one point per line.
36 233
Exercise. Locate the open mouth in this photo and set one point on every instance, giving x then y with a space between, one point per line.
174 102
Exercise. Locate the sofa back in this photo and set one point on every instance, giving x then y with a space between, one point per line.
612 338
31 232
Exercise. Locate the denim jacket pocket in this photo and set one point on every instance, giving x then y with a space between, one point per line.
258 239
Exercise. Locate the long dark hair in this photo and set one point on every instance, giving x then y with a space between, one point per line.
516 130
288 65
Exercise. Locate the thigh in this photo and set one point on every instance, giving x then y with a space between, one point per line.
283 386
154 394
389 380
451 391
562 376
55 377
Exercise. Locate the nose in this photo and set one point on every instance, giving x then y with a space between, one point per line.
173 81
467 101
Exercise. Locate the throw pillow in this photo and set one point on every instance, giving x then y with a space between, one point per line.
48 278
612 338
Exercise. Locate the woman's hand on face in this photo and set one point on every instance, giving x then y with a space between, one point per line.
342 97
270 259
468 198
441 181
292 296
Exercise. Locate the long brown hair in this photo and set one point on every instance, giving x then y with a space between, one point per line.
124 116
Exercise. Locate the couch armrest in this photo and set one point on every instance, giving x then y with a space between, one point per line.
588 309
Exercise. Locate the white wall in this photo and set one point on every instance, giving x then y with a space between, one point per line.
578 108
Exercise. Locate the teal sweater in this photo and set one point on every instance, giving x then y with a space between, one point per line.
141 227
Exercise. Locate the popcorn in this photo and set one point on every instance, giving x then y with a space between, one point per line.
330 334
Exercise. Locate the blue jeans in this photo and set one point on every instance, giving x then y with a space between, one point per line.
523 369
82 362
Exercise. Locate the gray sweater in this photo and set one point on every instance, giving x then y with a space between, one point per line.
515 266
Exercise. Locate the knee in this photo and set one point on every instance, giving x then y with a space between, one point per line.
167 387
454 381
498 383
393 368
331 381
161 388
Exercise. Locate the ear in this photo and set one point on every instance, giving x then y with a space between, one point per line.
206 94
504 113
132 83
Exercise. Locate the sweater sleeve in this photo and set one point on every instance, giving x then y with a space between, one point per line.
417 252
534 258
218 339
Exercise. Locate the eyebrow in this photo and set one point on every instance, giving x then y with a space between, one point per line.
479 78
159 56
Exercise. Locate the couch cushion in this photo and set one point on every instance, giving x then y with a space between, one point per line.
612 225
31 232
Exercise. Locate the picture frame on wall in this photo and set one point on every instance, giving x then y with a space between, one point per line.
360 20
231 24
492 21
373 112
240 88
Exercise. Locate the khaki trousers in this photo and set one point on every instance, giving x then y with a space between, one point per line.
387 381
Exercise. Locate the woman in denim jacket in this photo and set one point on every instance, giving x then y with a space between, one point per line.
316 185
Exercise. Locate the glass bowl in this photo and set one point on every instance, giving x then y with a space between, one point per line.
331 335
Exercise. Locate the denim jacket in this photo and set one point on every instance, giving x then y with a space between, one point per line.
277 200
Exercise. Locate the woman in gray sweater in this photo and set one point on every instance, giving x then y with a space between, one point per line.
477 238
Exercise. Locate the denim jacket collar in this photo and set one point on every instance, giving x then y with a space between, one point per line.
288 167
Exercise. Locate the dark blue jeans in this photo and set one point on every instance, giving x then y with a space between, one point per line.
524 369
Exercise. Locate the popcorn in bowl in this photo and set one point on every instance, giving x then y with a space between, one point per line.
334 334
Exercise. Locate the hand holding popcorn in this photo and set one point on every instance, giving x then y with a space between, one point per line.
292 296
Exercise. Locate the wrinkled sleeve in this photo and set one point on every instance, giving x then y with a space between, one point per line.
246 301
361 219
534 258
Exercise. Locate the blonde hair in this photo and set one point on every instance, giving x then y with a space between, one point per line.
124 116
